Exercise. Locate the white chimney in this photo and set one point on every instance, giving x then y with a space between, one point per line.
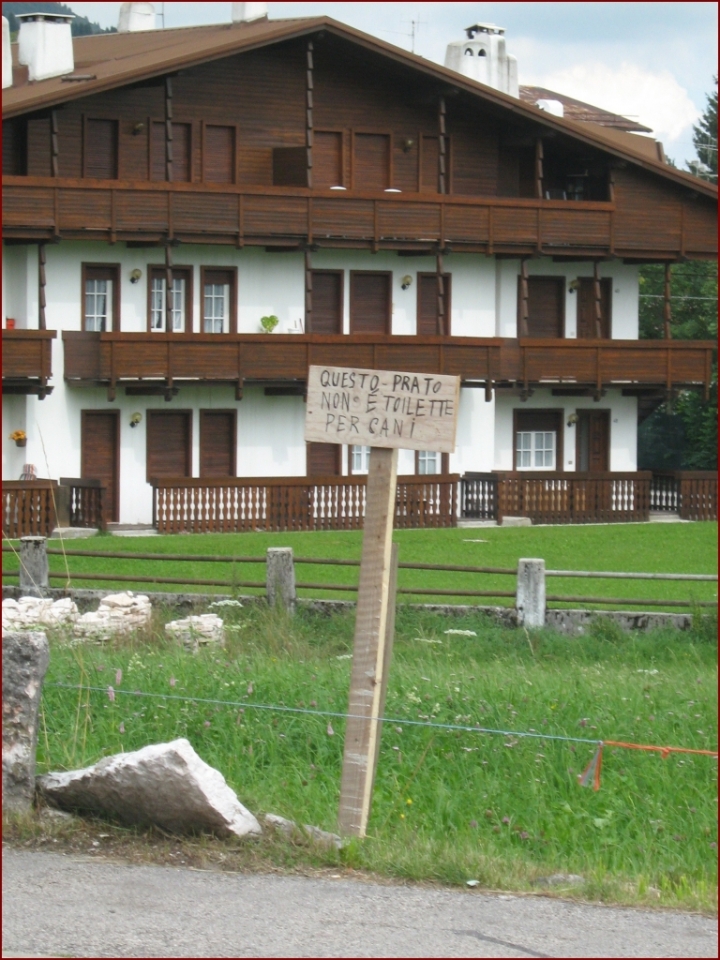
6 55
554 107
135 17
45 44
483 57
245 12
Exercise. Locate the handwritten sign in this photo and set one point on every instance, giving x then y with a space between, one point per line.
382 408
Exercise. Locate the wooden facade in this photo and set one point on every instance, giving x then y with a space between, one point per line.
120 358
27 361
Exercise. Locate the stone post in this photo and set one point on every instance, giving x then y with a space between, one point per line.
34 579
281 578
25 660
530 598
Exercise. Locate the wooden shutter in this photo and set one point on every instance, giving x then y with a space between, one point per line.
181 149
289 166
371 161
169 443
430 165
219 154
101 149
99 456
586 326
327 302
14 147
327 160
546 306
427 308
39 153
218 443
370 302
323 459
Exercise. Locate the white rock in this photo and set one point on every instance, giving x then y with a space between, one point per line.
165 784
37 612
118 613
290 829
205 629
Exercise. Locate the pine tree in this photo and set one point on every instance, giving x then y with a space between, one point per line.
705 137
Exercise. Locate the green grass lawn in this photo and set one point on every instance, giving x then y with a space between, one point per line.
448 805
668 548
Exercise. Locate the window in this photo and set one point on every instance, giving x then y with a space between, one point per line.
538 439
359 459
431 462
101 300
218 301
181 296
535 450
219 154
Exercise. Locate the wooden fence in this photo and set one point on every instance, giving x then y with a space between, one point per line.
692 494
28 508
234 505
82 503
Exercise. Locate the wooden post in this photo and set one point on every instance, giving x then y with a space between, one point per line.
169 289
42 258
168 129
368 670
442 142
523 298
309 83
667 307
539 155
54 143
597 296
441 326
308 291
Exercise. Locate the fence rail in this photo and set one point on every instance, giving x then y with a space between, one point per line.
352 588
28 508
237 505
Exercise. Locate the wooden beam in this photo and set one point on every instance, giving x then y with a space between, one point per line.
598 301
309 84
539 168
441 325
42 258
667 306
369 659
442 165
168 289
54 142
308 291
523 298
168 129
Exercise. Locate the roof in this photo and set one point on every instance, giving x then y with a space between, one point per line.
577 110
111 60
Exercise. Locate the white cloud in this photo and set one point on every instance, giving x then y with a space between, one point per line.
654 98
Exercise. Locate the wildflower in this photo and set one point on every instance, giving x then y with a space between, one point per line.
313 703
250 689
172 681
402 816
330 731
408 802
524 835
121 728
111 694
489 814
473 824
506 820
206 724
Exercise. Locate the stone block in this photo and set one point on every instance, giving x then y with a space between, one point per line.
118 613
281 578
164 784
31 613
530 597
25 659
34 579
197 631
516 522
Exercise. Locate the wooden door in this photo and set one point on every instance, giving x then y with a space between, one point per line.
101 149
586 323
593 441
327 302
371 162
370 302
323 459
219 154
169 443
427 306
327 159
218 443
100 455
546 307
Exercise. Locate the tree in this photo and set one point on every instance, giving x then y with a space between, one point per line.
80 26
705 136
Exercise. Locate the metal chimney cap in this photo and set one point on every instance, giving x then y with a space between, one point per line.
51 17
483 28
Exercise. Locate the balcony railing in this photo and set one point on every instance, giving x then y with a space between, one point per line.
46 208
27 361
237 504
172 359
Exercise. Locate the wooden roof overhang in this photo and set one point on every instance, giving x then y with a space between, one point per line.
110 61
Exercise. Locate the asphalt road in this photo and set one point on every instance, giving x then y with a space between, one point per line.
59 905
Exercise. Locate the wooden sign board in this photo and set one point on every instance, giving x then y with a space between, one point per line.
382 408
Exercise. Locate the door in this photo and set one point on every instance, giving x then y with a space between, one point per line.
370 302
593 441
100 455
323 459
218 443
169 443
327 302
371 162
587 328
546 307
427 307
327 159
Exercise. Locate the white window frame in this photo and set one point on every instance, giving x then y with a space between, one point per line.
98 320
359 460
219 320
532 446
429 462
158 313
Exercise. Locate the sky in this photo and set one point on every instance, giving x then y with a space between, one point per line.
650 61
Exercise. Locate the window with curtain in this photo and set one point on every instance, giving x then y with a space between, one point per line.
359 459
535 450
158 312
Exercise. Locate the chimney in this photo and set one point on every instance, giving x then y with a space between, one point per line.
135 17
45 44
483 57
245 12
6 55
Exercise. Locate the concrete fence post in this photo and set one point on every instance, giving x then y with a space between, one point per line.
34 579
280 578
530 597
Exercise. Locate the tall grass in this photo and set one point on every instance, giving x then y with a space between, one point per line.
448 805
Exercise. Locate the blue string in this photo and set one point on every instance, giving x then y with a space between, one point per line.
330 713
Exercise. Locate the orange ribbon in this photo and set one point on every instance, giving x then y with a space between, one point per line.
591 773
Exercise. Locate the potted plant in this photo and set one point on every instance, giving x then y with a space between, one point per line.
269 323
20 437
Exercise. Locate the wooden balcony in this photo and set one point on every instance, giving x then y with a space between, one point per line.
27 361
44 208
165 361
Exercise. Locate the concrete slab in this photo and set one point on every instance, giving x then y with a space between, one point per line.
516 522
73 533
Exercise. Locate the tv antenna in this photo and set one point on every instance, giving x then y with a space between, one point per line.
415 25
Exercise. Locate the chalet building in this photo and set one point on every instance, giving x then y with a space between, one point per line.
166 190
